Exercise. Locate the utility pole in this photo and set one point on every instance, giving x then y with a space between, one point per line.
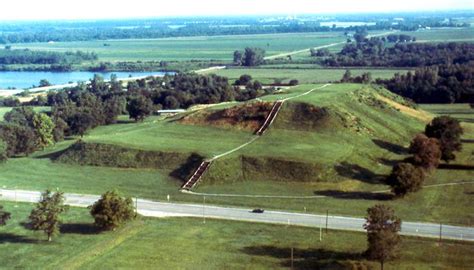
327 218
136 205
320 233
440 232
204 209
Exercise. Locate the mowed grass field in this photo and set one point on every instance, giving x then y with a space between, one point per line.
191 48
304 76
187 243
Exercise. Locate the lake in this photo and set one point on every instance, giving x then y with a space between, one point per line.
26 79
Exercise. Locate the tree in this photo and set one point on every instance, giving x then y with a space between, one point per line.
405 178
19 139
4 216
43 126
253 57
293 82
111 210
347 76
139 107
44 83
46 216
80 123
448 131
238 57
243 80
3 151
426 151
382 233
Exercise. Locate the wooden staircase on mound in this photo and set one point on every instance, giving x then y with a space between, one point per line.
270 118
194 179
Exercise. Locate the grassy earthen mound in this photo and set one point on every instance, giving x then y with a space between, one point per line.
306 117
249 116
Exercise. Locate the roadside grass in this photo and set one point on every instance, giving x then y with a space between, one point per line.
191 48
187 243
268 74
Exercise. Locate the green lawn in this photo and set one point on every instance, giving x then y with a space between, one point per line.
304 76
187 243
187 48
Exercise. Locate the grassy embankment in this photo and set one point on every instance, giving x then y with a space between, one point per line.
185 243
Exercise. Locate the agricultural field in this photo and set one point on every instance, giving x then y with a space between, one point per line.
191 48
305 74
163 242
444 35
345 161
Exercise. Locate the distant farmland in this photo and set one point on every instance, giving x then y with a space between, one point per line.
188 48
269 75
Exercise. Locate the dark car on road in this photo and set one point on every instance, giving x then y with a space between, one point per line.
258 210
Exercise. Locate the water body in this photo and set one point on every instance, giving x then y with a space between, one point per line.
26 79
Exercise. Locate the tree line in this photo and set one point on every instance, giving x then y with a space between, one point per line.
373 52
26 56
436 84
83 31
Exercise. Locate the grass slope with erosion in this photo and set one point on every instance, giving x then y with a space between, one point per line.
162 243
337 141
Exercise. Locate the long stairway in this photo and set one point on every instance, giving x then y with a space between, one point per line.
270 118
194 179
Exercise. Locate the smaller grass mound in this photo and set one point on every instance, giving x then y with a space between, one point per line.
248 116
107 155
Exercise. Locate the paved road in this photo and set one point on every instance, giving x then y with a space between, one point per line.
161 209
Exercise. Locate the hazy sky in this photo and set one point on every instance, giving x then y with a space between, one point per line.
87 9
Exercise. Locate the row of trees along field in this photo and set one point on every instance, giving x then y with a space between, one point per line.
109 212
13 57
76 110
374 52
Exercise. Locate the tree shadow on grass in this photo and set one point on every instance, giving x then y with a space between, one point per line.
357 172
456 167
305 258
388 162
16 239
355 195
80 228
467 141
394 148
